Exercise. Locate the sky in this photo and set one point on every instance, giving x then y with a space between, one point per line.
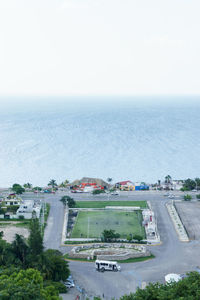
99 47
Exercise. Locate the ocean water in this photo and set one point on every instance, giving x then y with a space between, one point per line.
136 140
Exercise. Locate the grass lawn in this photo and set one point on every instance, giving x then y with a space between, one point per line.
92 223
103 204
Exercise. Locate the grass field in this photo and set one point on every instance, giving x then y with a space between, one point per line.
91 224
102 204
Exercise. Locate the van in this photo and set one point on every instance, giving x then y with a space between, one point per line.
103 265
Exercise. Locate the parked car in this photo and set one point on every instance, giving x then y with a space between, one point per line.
171 196
69 284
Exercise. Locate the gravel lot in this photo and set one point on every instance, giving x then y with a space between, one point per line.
10 231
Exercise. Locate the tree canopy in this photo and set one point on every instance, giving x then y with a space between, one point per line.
26 285
110 235
18 189
52 183
67 200
186 289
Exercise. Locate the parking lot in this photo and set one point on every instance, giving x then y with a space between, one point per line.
189 213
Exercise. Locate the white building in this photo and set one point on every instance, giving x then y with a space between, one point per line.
27 208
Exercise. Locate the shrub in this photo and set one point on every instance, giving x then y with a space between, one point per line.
96 192
137 237
187 197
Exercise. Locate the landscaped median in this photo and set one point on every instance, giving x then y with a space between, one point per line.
115 252
103 204
182 234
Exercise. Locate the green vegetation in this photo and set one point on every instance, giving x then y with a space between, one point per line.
198 196
110 235
92 223
188 288
136 259
27 185
18 189
187 197
27 271
190 184
25 284
66 200
37 188
97 192
130 260
103 204
52 183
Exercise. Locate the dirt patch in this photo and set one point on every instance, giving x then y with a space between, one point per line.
10 231
189 213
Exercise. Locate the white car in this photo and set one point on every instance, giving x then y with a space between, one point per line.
115 193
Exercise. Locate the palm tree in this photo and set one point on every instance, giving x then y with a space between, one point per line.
109 180
27 185
20 248
168 179
52 183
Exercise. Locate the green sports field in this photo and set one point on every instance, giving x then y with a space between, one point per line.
103 204
92 223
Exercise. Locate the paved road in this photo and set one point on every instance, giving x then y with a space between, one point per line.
172 256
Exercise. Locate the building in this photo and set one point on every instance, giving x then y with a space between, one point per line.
12 201
126 185
27 208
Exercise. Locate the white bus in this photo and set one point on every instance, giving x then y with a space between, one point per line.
103 265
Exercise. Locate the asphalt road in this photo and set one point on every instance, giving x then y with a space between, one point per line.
172 256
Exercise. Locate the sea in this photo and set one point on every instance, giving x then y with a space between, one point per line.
125 138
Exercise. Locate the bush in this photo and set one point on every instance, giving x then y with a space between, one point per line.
137 237
187 197
59 286
97 192
198 196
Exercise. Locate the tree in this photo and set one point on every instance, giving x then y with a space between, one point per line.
189 185
18 189
35 240
110 235
168 179
54 266
197 181
20 249
37 188
187 197
186 289
66 200
6 255
27 185
26 285
137 237
109 179
52 183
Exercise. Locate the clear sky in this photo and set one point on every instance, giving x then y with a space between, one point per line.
99 47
